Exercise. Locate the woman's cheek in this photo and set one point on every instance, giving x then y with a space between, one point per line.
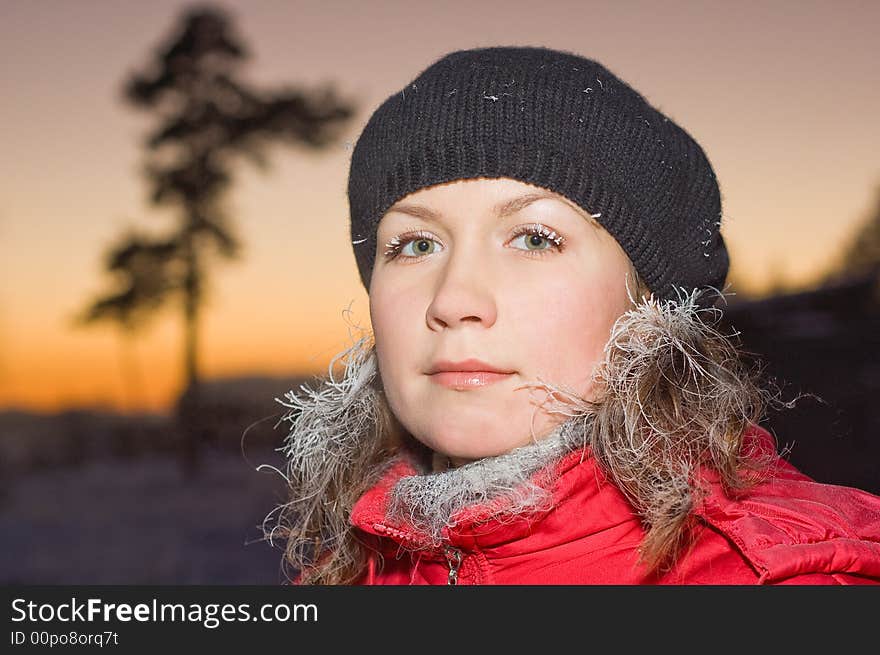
395 322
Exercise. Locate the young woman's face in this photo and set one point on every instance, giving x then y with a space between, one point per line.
499 271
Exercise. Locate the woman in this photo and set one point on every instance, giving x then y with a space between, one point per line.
543 398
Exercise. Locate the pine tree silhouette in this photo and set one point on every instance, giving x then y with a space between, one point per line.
207 118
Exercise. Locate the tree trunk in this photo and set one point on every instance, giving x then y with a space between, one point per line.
189 415
132 374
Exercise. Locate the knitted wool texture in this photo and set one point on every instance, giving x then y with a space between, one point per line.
559 121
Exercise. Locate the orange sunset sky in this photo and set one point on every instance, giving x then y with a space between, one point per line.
784 97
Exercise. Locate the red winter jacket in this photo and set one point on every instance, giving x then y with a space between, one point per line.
786 530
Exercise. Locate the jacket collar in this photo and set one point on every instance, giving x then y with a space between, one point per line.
584 502
580 490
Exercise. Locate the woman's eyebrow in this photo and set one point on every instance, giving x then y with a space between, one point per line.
502 209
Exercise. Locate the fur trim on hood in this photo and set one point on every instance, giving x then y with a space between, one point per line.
676 397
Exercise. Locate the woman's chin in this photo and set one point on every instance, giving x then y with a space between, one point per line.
463 447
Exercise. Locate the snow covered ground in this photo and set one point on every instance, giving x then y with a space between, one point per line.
138 521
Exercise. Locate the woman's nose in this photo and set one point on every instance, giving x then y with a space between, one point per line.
463 295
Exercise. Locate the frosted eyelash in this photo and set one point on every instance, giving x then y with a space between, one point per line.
541 230
394 244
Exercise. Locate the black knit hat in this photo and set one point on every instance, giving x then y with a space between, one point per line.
555 120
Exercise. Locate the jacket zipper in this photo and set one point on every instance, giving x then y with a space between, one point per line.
453 560
453 555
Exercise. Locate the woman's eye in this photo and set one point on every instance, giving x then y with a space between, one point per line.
538 238
534 241
418 247
411 246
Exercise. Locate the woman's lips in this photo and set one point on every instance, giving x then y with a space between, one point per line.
464 380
